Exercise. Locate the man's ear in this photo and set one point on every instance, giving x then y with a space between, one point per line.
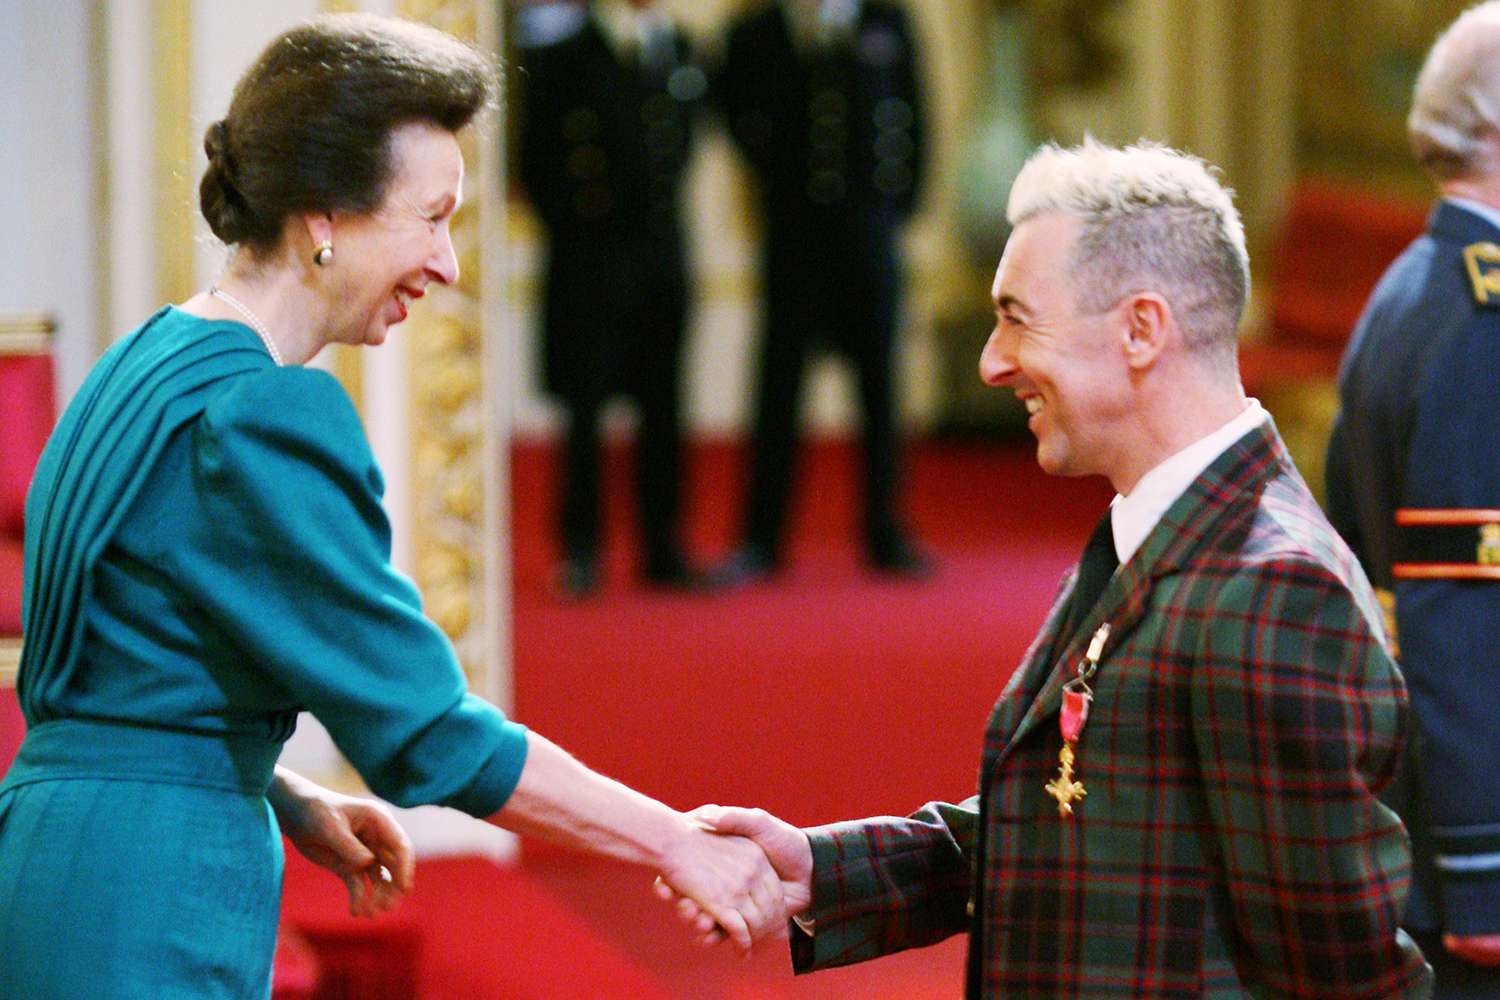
1148 326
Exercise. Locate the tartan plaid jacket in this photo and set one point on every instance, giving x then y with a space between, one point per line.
1231 843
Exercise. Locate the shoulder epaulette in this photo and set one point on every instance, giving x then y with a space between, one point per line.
1483 263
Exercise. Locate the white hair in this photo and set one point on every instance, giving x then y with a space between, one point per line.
1153 219
1456 101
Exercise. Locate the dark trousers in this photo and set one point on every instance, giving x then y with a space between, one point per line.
652 382
849 298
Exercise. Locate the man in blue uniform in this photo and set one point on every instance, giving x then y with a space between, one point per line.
1414 486
821 97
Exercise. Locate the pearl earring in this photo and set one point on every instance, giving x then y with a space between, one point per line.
323 253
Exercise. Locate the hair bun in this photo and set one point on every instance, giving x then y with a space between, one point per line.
216 148
219 198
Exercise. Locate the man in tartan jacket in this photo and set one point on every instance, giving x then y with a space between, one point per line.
1244 711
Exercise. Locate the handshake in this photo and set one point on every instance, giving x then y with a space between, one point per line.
733 874
738 874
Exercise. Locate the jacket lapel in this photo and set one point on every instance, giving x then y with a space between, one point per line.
1232 478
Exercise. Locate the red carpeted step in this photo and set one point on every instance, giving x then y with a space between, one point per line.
617 900
471 929
378 958
496 933
829 692
295 970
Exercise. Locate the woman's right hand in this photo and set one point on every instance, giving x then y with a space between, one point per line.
785 846
729 879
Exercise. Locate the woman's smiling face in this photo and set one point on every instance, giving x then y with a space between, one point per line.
385 259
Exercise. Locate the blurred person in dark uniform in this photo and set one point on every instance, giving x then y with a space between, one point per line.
1414 486
822 99
609 96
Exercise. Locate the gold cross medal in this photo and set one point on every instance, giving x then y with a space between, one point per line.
1077 696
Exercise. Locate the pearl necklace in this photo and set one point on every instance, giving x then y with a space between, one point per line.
255 323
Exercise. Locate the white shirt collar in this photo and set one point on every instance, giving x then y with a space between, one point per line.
1488 213
1132 517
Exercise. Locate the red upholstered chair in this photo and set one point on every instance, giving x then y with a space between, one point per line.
30 410
27 411
1332 247
12 726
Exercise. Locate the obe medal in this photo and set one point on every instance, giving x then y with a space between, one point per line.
1077 697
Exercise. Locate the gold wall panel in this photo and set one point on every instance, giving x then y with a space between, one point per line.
10 661
172 100
452 488
1357 63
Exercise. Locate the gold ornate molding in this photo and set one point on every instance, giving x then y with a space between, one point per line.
28 322
10 661
451 482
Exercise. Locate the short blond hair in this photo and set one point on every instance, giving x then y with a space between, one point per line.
1153 219
1455 103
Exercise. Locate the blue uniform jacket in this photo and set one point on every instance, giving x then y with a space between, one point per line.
1419 429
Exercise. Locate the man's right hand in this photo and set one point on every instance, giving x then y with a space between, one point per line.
785 846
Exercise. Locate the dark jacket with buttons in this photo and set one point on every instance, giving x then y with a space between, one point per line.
830 131
834 135
604 143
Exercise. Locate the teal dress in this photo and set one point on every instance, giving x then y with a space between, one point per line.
206 557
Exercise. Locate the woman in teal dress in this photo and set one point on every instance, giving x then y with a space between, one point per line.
206 556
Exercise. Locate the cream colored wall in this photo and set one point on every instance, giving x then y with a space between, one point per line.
47 189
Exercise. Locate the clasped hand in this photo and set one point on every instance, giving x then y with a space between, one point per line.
755 875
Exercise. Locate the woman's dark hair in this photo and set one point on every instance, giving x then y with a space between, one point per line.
310 124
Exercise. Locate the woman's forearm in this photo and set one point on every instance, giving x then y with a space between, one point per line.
286 791
560 800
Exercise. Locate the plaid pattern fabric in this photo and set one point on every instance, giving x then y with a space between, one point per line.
1231 843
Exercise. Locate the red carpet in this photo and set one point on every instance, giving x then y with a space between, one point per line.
825 695
784 695
471 929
